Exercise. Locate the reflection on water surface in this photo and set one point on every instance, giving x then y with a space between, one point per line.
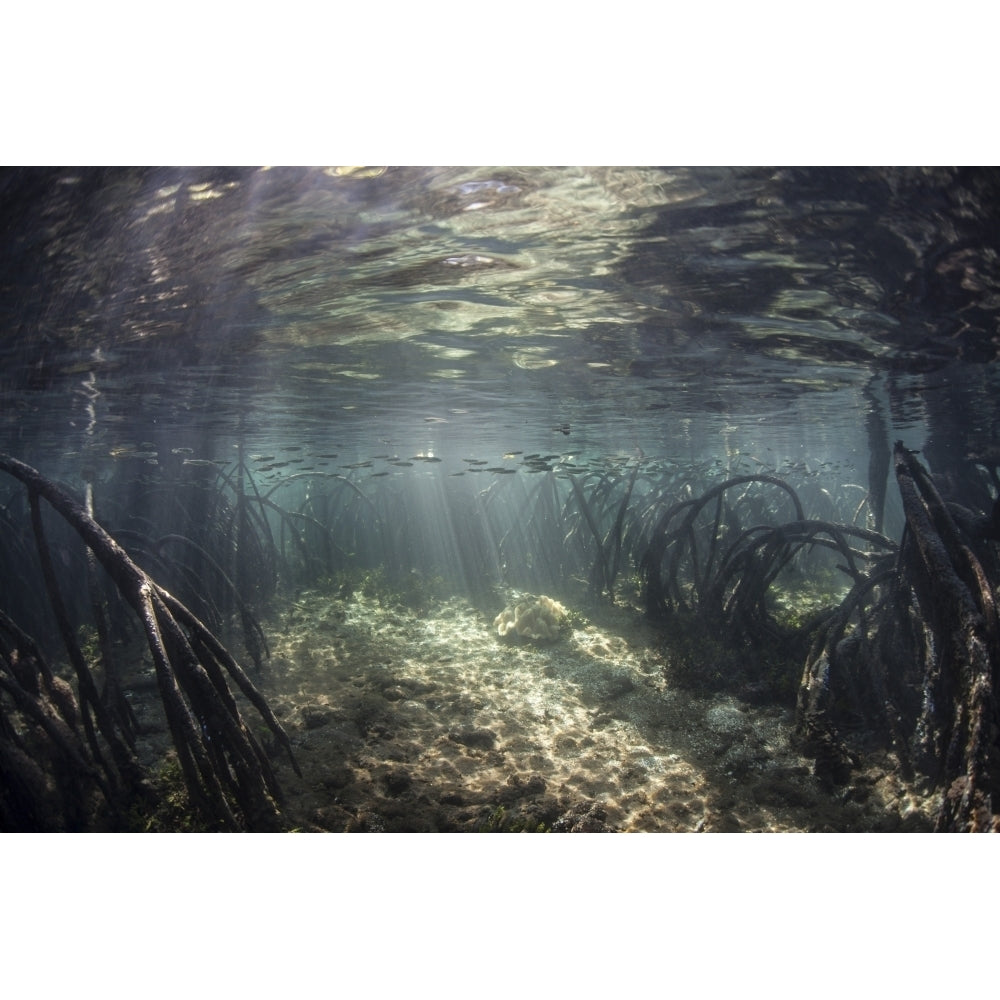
499 302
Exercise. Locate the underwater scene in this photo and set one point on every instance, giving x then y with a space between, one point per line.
410 499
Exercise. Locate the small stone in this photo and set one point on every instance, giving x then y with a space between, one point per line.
584 817
339 777
314 718
616 686
484 739
397 781
518 788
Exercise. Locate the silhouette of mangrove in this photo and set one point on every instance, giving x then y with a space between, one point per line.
920 659
909 653
52 771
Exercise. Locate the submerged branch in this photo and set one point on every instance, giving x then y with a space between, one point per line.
217 756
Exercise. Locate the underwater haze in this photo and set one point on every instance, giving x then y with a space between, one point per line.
351 417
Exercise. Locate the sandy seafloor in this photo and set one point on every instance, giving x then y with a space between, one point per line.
406 720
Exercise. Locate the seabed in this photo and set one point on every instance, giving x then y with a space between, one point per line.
423 719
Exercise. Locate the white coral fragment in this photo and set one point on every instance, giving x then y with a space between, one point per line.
534 618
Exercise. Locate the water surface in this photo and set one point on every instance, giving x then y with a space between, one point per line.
674 313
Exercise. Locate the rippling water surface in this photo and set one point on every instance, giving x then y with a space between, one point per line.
685 314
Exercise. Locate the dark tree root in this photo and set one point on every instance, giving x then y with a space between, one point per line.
909 658
48 783
959 722
609 546
229 779
675 533
927 644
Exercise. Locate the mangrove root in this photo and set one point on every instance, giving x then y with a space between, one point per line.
229 779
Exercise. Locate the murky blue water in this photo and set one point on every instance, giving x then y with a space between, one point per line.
471 312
